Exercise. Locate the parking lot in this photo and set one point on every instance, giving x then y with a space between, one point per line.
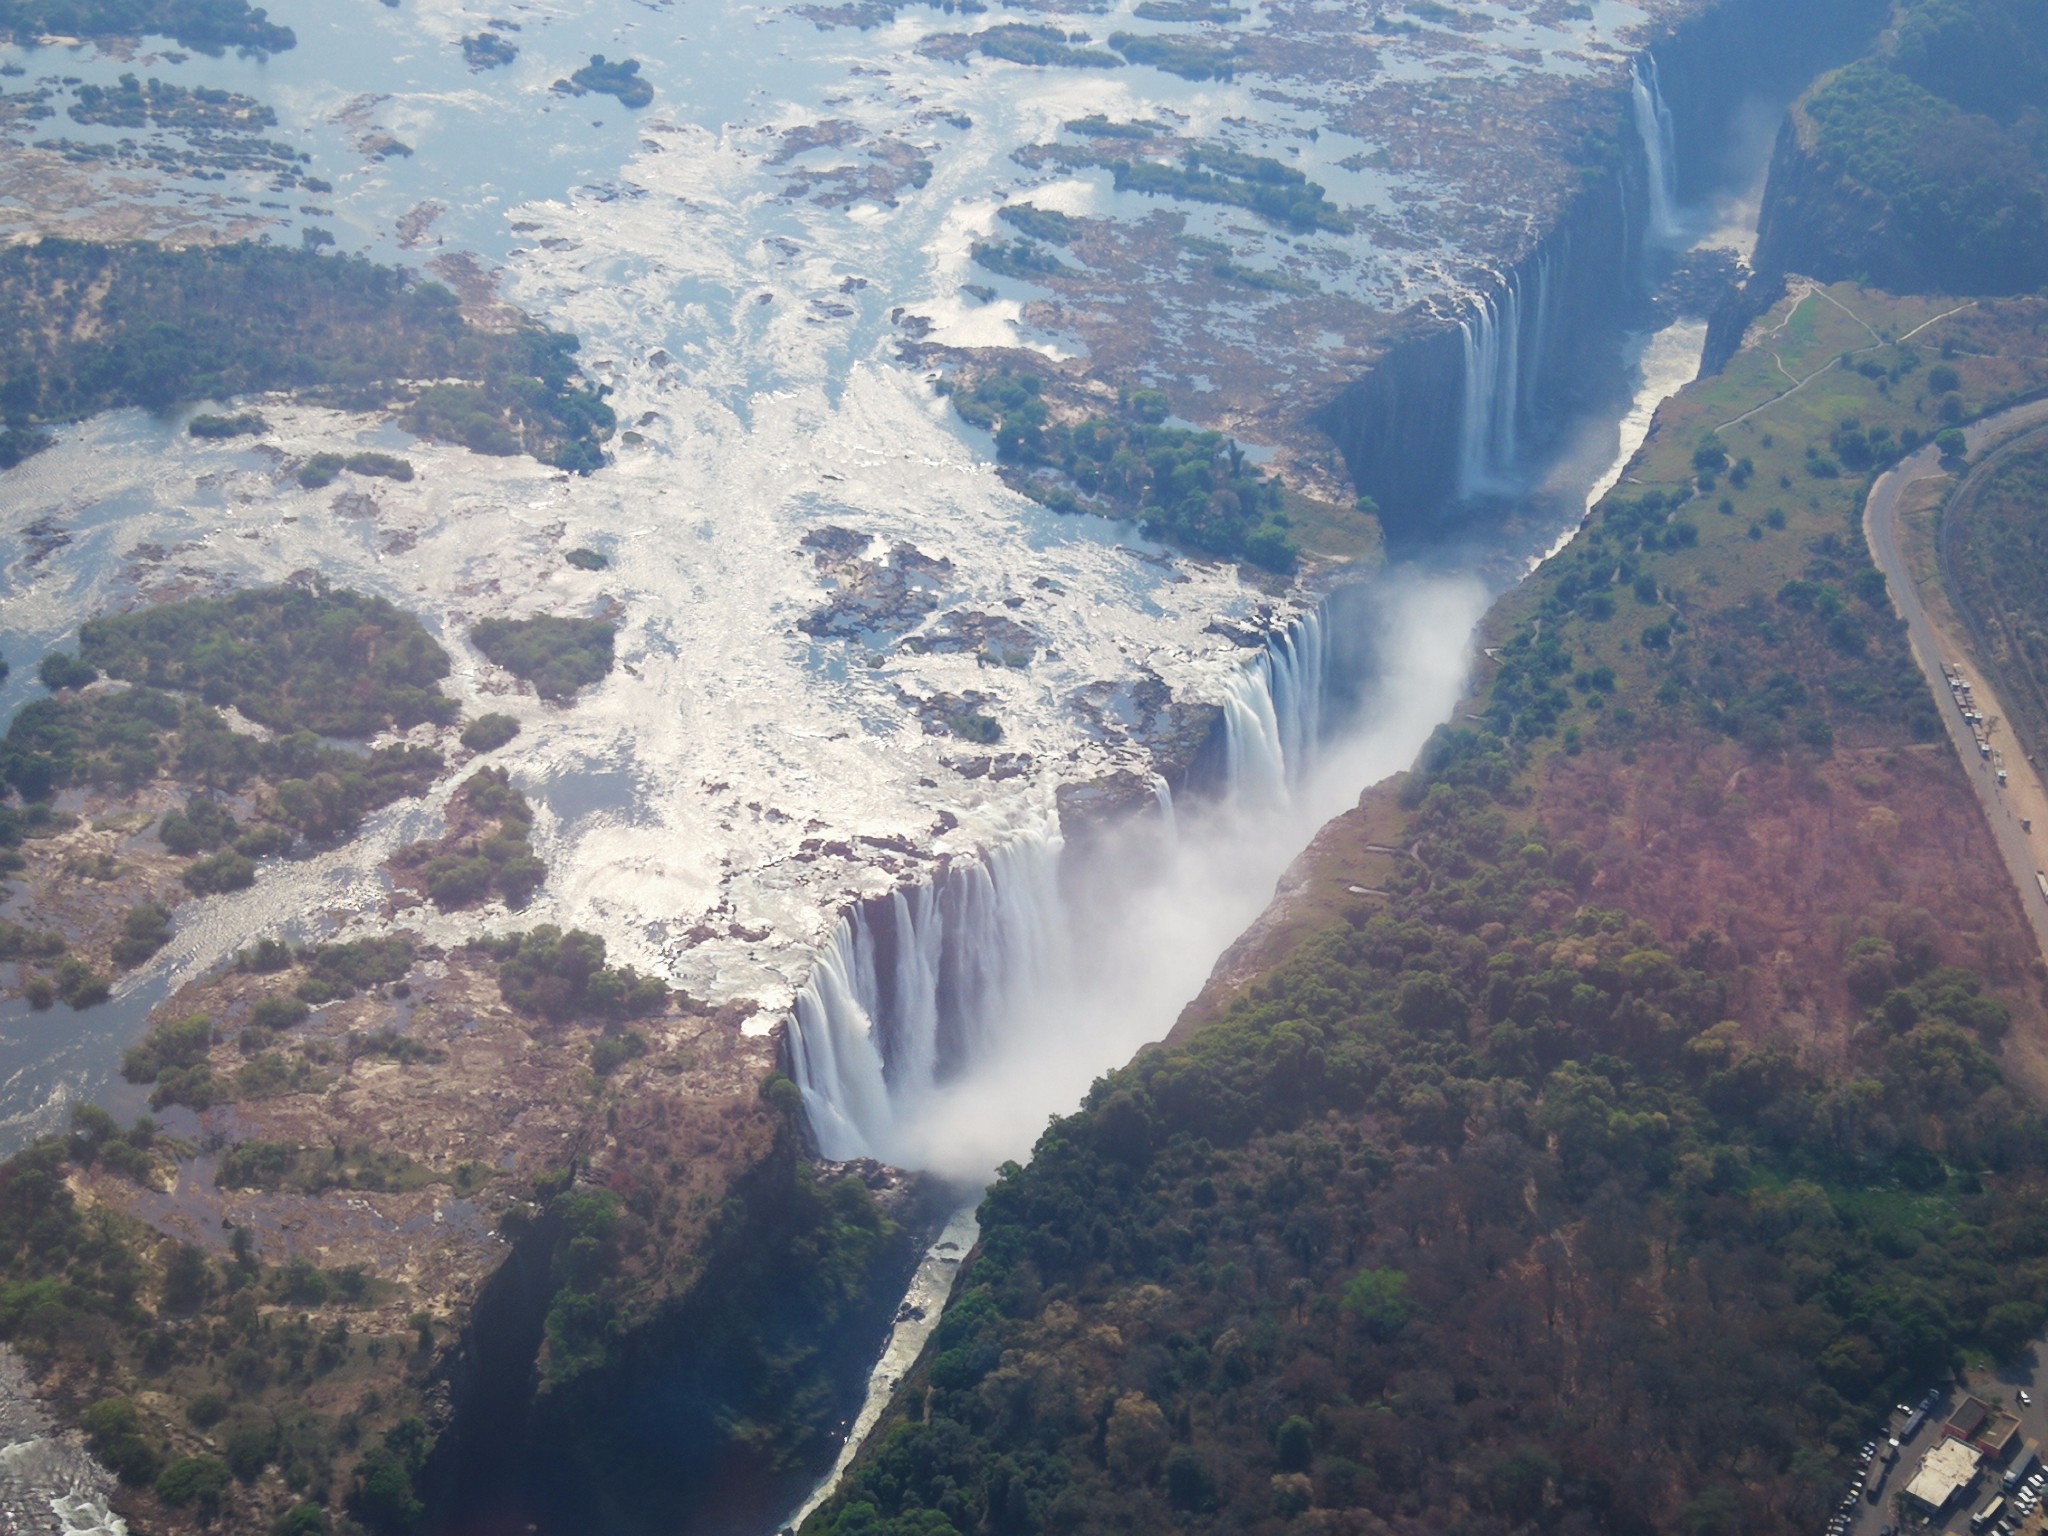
2022 1515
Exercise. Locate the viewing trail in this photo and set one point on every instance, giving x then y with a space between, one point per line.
2023 797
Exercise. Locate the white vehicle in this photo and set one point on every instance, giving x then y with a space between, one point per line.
2025 1400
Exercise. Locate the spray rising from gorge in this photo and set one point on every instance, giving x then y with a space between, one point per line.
948 1022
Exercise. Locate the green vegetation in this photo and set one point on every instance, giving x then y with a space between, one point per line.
619 78
1216 256
59 670
1016 258
1196 489
329 661
1190 58
210 26
276 1165
1995 561
323 468
490 853
1189 11
557 655
248 424
560 976
487 733
1023 43
1035 223
93 327
1309 1220
343 970
145 930
148 1322
1933 161
487 50
1421 1227
1215 173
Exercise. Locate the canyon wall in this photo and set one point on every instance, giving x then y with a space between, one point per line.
1407 428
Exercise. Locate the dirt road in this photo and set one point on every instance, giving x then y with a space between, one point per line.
2023 798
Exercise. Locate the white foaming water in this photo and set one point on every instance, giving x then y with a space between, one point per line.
1073 980
1660 148
1498 383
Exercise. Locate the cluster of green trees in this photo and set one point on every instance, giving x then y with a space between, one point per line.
1997 558
279 1165
557 655
1215 173
559 976
1189 57
227 1338
619 78
93 327
1016 258
463 871
1942 130
1196 489
210 26
488 732
1776 674
129 103
330 661
1431 1225
1035 223
323 469
1025 43
246 424
488 50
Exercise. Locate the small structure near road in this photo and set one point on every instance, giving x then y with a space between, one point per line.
1948 1468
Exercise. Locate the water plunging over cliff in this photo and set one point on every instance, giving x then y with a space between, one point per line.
1273 715
1504 342
944 1025
1655 129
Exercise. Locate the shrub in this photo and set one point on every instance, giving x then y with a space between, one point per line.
557 655
201 1481
60 670
487 733
220 873
145 930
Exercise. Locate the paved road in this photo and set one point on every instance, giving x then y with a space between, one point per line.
2024 795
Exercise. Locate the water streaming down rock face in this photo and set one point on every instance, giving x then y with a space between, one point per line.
1655 129
913 987
918 988
1273 715
1504 340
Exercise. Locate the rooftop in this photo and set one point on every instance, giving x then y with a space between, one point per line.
1949 1466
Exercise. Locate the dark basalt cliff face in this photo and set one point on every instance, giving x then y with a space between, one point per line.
715 1413
1398 426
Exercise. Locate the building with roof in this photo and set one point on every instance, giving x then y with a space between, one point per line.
1993 1431
1948 1468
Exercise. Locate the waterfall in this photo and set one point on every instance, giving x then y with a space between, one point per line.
1162 795
1660 147
930 984
913 990
1273 715
1495 384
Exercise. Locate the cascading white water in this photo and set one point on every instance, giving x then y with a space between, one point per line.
1480 336
896 1007
926 988
1660 147
1495 385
